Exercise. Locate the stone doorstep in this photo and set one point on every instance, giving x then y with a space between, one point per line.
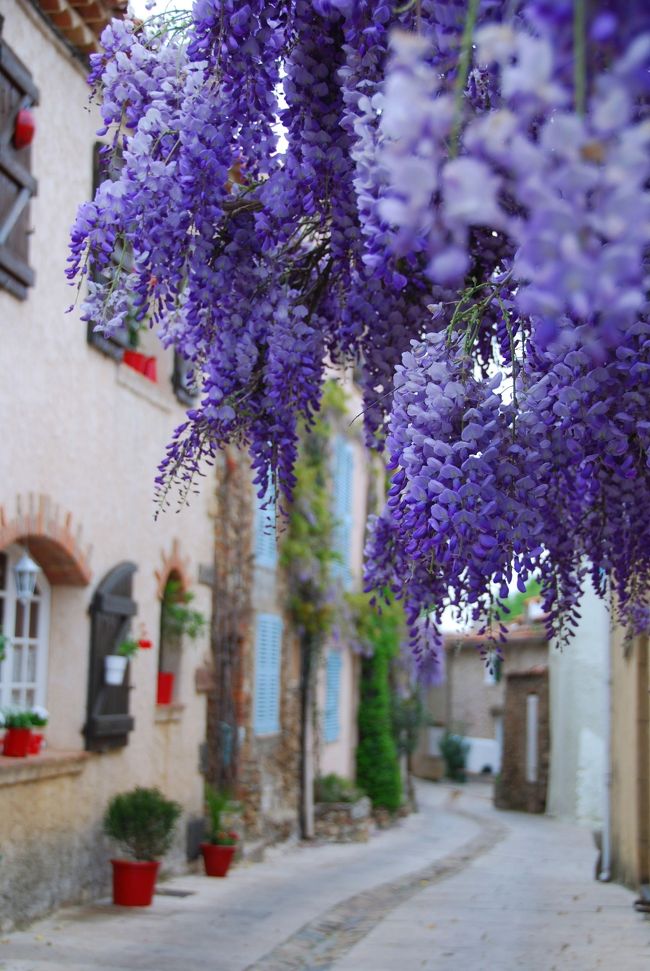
47 765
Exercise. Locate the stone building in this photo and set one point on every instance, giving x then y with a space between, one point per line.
470 699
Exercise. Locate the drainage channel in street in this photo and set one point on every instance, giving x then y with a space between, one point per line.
325 940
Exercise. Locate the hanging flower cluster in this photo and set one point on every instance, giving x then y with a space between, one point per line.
453 195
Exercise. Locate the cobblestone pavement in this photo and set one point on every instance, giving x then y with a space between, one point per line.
455 887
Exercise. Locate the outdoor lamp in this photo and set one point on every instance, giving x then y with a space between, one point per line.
26 572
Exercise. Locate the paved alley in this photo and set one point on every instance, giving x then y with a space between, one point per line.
456 886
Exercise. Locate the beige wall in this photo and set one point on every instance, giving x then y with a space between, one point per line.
88 433
630 759
466 702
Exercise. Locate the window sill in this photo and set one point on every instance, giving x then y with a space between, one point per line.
142 387
47 765
169 713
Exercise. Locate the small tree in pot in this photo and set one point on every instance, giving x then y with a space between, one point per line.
143 821
221 845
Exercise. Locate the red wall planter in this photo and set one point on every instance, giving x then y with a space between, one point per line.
217 859
134 882
141 363
17 742
165 690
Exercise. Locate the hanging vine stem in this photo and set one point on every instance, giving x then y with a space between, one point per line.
464 59
580 55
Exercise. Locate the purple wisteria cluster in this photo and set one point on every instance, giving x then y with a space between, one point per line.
454 197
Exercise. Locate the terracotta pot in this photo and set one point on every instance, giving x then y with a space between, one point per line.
165 691
134 882
217 859
17 742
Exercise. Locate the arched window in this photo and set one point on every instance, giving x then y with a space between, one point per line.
25 627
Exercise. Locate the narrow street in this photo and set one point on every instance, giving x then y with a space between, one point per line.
456 886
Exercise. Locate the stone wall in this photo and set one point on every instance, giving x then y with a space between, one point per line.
343 822
513 789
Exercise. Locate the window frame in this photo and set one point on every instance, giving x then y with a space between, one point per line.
9 598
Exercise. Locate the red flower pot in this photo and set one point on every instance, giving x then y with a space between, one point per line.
17 742
217 859
134 882
35 743
165 688
142 363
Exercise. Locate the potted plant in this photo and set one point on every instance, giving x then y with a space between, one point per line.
221 844
143 822
115 664
18 734
39 717
178 619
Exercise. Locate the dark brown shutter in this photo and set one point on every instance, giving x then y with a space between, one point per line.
17 185
108 722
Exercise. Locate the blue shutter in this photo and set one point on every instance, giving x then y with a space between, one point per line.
265 542
343 503
268 650
332 726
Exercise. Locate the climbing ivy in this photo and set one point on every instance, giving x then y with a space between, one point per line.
306 550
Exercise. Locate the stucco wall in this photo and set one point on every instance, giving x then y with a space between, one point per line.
625 774
88 433
579 700
339 756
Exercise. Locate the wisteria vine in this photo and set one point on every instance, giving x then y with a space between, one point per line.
454 197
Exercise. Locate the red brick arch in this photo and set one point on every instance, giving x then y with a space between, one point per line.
173 564
54 540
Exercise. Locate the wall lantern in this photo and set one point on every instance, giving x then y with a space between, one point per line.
24 128
25 572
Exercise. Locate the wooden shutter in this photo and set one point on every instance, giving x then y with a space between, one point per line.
343 505
268 651
332 726
108 721
17 185
265 541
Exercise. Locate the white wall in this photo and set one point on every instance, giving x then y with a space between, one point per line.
578 698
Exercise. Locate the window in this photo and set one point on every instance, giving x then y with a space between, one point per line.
343 503
332 726
23 673
265 539
268 650
17 185
493 669
107 166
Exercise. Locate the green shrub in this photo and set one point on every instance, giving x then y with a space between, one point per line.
334 788
143 821
454 749
378 772
217 802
